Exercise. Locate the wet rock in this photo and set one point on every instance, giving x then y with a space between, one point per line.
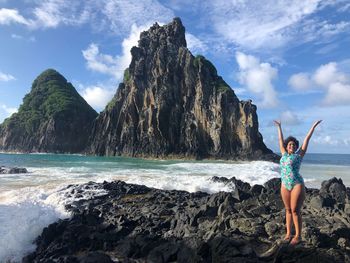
96 257
319 202
273 185
335 189
12 170
133 223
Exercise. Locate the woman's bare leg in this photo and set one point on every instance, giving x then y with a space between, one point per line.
286 197
296 201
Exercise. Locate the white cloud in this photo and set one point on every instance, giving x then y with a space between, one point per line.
289 118
195 45
16 36
258 78
9 110
320 31
6 77
345 8
256 24
114 15
240 91
337 94
8 16
102 63
265 25
19 37
52 13
334 83
327 49
96 96
300 81
327 74
329 29
119 15
326 140
113 65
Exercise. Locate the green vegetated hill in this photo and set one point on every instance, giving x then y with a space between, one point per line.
52 118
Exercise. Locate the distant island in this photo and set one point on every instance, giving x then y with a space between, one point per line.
52 118
169 105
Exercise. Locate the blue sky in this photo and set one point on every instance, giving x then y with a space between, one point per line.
292 58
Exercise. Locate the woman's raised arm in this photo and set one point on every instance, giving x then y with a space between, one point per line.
280 136
307 138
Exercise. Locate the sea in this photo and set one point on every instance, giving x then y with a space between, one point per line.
31 201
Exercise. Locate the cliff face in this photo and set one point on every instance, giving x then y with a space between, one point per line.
172 103
52 118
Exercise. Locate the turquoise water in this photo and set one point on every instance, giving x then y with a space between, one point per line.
58 168
31 201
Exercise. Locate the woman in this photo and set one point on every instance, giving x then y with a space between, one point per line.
292 184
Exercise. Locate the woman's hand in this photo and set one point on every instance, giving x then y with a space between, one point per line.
316 123
307 138
280 136
277 123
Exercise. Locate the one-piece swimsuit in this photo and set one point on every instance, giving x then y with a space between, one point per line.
290 165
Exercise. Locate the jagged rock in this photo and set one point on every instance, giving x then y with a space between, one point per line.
335 189
318 202
132 223
52 118
171 103
12 170
273 185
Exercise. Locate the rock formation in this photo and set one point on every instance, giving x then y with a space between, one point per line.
12 170
52 118
171 103
133 223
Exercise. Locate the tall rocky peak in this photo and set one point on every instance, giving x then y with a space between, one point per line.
171 103
52 118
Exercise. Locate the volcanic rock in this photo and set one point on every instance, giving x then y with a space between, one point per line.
172 104
12 170
132 223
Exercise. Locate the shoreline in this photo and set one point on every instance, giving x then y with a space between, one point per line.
169 157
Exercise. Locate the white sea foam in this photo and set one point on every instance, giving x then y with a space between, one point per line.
25 212
29 202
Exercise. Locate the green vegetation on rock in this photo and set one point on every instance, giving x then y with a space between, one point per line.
221 85
111 104
201 60
54 104
51 96
126 76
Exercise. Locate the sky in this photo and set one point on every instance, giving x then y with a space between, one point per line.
291 58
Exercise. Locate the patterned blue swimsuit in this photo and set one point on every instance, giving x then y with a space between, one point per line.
290 165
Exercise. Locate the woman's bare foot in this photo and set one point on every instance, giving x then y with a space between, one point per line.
295 241
287 238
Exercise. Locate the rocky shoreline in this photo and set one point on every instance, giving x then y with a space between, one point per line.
134 223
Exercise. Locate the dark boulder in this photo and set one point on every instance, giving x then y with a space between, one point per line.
335 189
273 185
12 170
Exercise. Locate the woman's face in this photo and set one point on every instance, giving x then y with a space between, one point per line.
291 147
